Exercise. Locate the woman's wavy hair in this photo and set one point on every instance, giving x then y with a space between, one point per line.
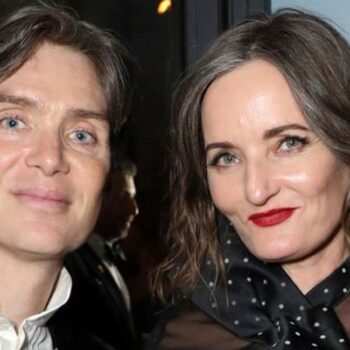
24 26
314 59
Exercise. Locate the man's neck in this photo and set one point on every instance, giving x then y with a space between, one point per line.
25 286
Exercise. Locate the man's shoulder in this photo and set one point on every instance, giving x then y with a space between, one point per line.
68 336
96 303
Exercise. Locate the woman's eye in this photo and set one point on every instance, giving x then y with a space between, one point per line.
81 136
292 143
225 159
11 123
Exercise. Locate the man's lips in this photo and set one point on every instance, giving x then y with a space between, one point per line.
44 198
271 217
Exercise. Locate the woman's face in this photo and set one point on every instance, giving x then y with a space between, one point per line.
268 173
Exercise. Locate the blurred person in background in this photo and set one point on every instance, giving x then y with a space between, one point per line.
95 266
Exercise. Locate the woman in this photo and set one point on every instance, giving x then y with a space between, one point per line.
258 235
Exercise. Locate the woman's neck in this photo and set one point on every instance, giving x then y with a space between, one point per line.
307 273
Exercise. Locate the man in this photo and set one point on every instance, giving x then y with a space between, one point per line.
119 207
62 90
94 267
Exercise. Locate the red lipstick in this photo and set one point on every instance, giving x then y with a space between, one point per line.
271 217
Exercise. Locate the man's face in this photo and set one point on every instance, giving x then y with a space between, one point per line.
54 153
119 208
127 208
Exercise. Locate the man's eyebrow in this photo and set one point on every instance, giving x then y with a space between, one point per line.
87 113
278 130
30 102
18 100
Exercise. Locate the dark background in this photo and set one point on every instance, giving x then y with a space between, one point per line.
164 45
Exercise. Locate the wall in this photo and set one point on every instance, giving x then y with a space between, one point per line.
337 11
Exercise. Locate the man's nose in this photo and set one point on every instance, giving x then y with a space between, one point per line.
47 154
135 208
260 182
132 209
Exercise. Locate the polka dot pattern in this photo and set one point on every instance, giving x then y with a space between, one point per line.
258 301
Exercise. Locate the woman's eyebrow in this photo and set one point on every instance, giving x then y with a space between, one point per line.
223 145
275 131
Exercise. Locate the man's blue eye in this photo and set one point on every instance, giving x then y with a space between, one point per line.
83 136
11 123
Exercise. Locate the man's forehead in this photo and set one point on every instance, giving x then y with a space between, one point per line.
57 72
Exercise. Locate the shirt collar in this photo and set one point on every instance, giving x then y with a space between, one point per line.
59 297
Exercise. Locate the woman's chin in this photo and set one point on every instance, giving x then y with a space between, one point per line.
280 253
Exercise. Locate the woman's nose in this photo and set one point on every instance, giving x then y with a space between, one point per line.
260 182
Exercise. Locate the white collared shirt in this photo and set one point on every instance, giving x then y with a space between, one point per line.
33 334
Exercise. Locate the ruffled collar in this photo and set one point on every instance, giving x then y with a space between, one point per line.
260 303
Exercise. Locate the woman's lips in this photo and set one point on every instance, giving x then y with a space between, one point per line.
271 217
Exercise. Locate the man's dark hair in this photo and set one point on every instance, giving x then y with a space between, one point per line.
23 28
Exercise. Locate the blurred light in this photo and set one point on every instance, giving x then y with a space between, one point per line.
163 6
